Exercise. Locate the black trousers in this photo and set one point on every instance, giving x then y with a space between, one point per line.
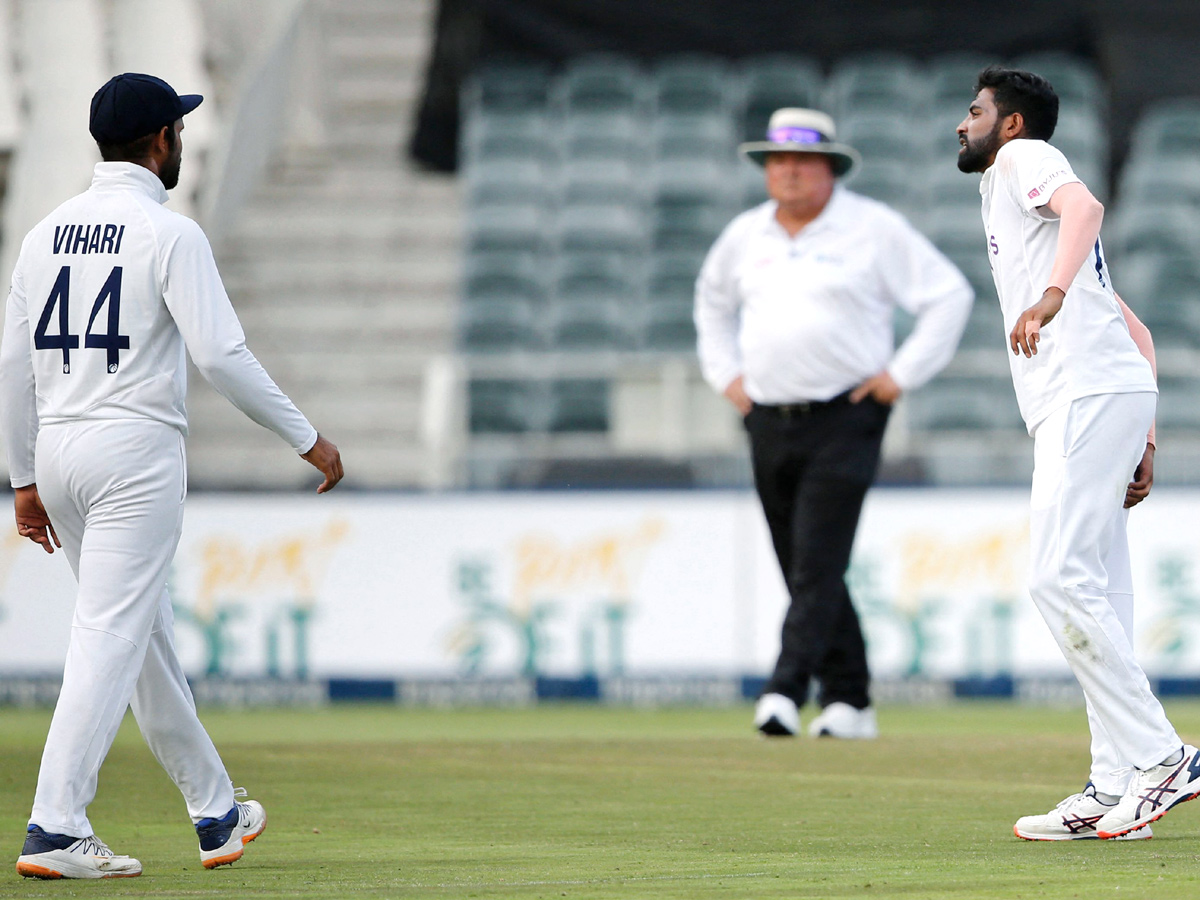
813 463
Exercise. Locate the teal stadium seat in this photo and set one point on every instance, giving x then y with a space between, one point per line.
579 405
594 324
1168 130
600 228
505 406
1177 406
507 87
1076 81
602 83
952 79
601 181
504 276
1164 229
524 180
884 82
894 182
946 187
507 228
1146 181
604 135
693 136
883 135
612 277
508 135
773 81
965 403
694 84
500 326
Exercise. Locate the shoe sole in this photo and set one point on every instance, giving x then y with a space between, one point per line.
29 870
1142 823
1080 837
1056 837
774 728
233 857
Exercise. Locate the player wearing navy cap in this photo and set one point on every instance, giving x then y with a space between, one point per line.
108 292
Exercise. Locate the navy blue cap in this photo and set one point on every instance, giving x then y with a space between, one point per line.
131 105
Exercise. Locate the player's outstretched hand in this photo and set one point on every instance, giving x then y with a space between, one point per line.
325 457
1027 332
1143 479
32 521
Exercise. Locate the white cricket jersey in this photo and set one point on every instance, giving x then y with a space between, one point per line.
106 293
1086 349
811 316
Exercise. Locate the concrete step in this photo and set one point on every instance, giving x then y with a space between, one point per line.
344 269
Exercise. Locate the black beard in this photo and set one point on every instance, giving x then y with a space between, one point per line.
169 174
978 156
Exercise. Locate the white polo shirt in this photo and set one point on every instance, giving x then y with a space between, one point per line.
106 293
1086 349
811 316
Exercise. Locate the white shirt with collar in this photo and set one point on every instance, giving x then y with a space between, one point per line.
106 293
1086 349
811 316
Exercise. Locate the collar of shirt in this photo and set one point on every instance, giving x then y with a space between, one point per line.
833 217
129 175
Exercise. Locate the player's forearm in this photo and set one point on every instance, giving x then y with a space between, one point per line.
1080 217
239 377
18 404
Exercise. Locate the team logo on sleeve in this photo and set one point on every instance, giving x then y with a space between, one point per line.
1038 191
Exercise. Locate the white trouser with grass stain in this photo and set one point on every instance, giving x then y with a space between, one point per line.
114 490
1085 455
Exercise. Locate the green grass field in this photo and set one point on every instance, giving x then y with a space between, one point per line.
585 802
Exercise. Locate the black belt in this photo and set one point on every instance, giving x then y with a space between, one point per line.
803 408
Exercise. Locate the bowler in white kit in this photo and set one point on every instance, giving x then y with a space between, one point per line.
1083 369
107 293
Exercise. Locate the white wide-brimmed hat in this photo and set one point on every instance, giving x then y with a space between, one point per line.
794 130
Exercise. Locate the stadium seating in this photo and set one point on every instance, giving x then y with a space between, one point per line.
610 178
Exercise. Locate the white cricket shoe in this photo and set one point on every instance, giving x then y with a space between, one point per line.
1074 819
1151 793
841 720
776 716
63 856
222 840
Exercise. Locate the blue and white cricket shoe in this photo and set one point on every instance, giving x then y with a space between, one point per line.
1151 793
1074 819
64 856
223 840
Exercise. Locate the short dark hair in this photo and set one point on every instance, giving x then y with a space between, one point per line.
1015 90
136 149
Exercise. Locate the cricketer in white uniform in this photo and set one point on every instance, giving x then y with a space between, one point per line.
107 292
1087 394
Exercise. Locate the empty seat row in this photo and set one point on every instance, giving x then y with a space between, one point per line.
641 138
518 406
755 86
592 324
535 278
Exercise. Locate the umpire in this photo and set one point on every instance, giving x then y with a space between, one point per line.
794 312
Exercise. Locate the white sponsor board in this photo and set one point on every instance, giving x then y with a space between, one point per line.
569 584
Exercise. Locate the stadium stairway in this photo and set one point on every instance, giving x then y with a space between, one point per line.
343 269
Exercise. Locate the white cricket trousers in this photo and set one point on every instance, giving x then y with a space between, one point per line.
1085 455
114 490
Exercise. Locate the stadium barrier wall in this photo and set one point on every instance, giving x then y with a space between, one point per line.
619 597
